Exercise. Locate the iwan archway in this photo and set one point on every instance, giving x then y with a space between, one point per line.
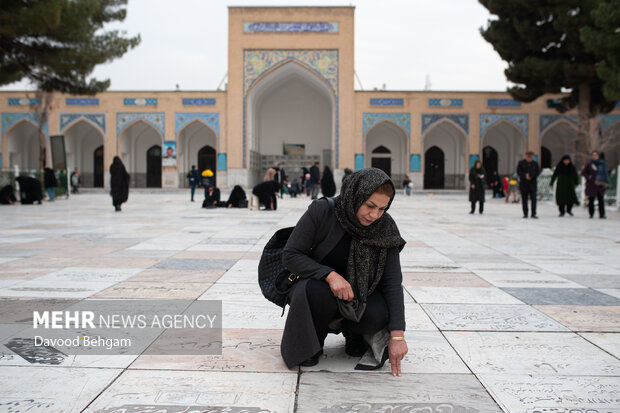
386 149
559 138
140 145
290 119
84 146
507 144
197 143
444 146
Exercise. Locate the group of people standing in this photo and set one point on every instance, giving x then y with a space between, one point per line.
565 173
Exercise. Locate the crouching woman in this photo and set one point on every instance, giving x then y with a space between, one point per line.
347 258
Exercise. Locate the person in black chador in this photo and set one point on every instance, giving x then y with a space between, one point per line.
328 186
237 198
212 197
528 171
266 192
477 176
566 174
7 195
29 190
119 183
347 258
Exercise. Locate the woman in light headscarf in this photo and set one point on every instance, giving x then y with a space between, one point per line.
347 258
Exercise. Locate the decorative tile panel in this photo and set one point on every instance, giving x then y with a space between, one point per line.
123 120
401 119
520 121
606 121
68 119
10 119
386 102
222 163
198 102
548 120
140 101
415 164
23 102
445 102
212 119
359 161
503 102
461 121
82 102
290 27
472 160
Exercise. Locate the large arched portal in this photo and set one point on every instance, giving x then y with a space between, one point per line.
23 144
293 106
386 148
138 143
197 143
452 142
561 139
83 145
508 143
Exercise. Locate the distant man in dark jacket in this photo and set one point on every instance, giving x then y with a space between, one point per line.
528 171
194 180
315 180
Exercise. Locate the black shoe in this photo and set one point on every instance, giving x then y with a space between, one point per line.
561 215
355 346
312 361
525 216
570 213
603 217
534 217
472 211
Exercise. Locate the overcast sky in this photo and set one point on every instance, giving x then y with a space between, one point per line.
397 43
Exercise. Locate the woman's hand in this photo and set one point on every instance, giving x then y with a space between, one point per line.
396 351
339 286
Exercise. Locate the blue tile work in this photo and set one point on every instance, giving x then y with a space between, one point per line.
11 119
96 119
520 121
82 102
222 163
371 119
198 102
257 62
290 27
123 120
606 121
387 102
23 102
415 164
429 119
359 161
546 121
503 102
140 101
212 119
445 102
472 160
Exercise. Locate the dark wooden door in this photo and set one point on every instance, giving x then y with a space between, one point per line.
153 167
489 160
385 164
98 162
207 160
545 158
434 160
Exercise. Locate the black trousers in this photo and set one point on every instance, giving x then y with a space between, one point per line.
480 207
566 208
324 308
531 193
601 205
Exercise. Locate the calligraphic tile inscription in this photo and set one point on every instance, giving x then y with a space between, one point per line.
584 318
537 353
610 342
380 392
200 390
554 394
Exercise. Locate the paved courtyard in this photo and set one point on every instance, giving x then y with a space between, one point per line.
503 313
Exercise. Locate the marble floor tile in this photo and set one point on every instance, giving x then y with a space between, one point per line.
527 280
429 352
252 314
129 253
461 295
490 317
177 276
574 394
243 277
5 254
234 292
433 393
582 318
443 279
198 391
562 296
225 255
416 318
54 289
246 350
154 290
610 342
611 280
537 354
195 264
614 292
220 247
81 274
433 267
39 389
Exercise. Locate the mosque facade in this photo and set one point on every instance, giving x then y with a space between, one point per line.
290 99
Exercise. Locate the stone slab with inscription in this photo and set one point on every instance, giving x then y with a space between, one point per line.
584 318
461 295
563 296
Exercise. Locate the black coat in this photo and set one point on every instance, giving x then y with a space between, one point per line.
302 255
266 193
524 167
477 179
49 178
29 190
328 186
119 183
315 175
236 196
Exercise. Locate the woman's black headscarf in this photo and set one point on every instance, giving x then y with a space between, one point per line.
369 244
562 169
